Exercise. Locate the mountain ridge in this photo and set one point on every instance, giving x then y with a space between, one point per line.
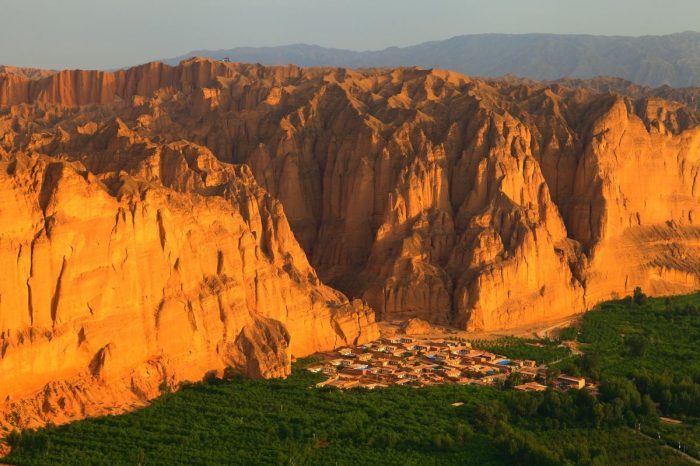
672 59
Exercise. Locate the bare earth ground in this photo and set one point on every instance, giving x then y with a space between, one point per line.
547 329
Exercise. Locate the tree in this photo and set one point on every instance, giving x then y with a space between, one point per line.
569 333
552 373
139 456
514 378
210 378
586 407
164 387
638 297
590 364
487 417
621 396
14 439
637 344
463 432
230 373
648 406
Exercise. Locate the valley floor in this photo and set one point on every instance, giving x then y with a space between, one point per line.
545 329
642 352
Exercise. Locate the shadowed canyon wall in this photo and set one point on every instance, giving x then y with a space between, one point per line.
129 264
147 214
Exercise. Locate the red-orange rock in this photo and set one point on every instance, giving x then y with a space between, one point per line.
415 326
114 283
483 204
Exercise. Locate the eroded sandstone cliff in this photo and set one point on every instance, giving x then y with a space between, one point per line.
426 193
142 264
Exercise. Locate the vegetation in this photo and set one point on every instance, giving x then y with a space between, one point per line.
652 344
568 334
542 351
620 446
640 350
658 337
287 422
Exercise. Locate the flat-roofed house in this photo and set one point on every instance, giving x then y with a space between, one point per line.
486 356
527 371
406 381
452 360
567 382
451 372
531 387
372 385
343 383
356 371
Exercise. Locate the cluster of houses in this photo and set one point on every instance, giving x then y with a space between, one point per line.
416 362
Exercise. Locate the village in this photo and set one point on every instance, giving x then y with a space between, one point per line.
416 362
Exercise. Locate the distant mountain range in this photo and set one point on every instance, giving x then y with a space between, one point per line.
647 60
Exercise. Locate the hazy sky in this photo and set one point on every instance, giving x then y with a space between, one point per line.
104 34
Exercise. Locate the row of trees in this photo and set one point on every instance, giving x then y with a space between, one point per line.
236 420
677 395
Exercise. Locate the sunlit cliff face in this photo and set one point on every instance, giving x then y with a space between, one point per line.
161 222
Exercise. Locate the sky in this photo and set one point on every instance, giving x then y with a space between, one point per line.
114 33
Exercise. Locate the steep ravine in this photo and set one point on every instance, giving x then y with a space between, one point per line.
117 282
165 198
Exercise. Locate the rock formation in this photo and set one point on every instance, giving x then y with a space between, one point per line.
129 264
150 216
415 326
689 96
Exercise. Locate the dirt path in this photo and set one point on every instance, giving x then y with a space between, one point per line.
548 329
553 329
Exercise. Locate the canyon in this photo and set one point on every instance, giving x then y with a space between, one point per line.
162 223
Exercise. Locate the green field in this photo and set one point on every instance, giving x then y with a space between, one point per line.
652 342
542 351
289 422
660 336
